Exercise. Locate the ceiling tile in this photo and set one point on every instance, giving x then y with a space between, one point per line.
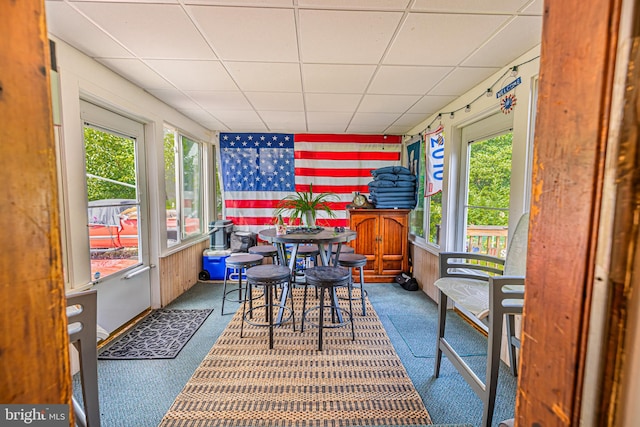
68 24
441 39
276 101
194 75
406 80
266 77
329 122
332 102
461 80
469 6
124 21
175 98
355 4
249 34
430 104
378 121
284 121
214 100
203 117
521 35
238 120
256 3
348 37
327 78
387 103
409 119
136 72
535 7
397 130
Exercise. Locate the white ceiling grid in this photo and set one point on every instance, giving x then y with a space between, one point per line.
322 66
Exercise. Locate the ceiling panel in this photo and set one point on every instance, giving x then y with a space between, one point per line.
407 80
266 76
365 66
345 36
137 72
387 103
143 29
276 101
521 32
215 101
441 39
336 102
336 78
249 34
461 80
69 24
194 75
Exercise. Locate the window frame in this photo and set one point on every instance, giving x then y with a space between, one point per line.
184 238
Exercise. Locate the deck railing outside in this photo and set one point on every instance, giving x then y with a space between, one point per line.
487 239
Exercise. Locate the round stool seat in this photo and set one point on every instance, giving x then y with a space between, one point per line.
324 275
308 250
264 250
352 260
244 260
268 272
343 250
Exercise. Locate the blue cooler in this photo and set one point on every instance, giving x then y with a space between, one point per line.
214 264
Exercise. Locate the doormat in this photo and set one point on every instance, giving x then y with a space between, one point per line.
160 335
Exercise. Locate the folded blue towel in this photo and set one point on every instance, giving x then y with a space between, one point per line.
391 169
395 205
395 177
384 183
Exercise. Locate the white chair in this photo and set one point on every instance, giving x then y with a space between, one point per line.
485 287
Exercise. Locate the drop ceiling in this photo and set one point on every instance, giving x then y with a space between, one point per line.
321 66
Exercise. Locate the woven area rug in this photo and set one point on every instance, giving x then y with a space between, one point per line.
350 383
160 335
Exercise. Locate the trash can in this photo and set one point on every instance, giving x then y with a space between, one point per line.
220 234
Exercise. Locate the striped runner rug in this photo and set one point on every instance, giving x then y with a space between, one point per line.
241 383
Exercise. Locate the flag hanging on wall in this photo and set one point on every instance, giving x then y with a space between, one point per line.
259 169
435 161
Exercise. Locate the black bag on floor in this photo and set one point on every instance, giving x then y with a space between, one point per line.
407 282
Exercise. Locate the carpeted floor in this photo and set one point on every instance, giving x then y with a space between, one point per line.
241 382
137 393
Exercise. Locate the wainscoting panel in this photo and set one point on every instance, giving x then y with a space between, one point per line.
179 271
425 270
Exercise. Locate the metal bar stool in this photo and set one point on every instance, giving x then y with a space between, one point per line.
265 251
327 279
304 256
343 250
237 264
355 261
269 276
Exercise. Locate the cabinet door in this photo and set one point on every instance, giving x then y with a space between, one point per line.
366 225
393 230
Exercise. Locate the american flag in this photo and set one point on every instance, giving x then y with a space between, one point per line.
260 169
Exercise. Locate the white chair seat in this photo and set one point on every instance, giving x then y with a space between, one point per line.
471 294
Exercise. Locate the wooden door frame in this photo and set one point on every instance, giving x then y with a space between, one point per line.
34 345
573 138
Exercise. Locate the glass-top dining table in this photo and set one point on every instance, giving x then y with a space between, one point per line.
324 238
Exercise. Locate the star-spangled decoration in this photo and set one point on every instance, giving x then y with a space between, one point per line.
257 162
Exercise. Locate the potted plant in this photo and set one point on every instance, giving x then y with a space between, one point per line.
305 205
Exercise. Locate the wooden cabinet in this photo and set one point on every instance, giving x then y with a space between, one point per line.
383 239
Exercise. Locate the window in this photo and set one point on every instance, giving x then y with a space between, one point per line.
425 220
184 195
487 197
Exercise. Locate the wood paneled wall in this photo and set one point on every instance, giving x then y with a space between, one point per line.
179 271
425 270
34 352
